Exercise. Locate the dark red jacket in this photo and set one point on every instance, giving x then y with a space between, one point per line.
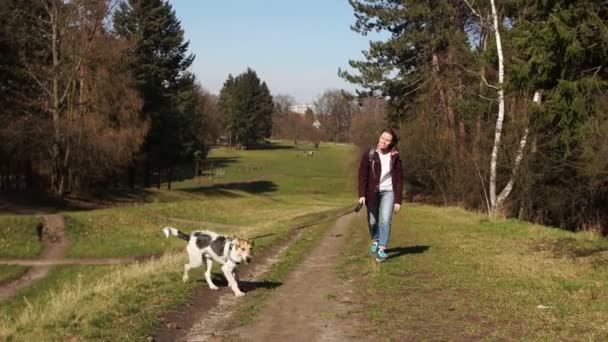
369 176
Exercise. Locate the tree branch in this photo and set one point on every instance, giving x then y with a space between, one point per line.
488 84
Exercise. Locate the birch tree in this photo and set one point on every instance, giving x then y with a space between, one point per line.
498 200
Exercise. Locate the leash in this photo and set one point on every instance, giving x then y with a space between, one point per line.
315 223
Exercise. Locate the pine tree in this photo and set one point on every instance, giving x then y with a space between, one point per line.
247 107
160 63
561 49
427 40
16 91
226 104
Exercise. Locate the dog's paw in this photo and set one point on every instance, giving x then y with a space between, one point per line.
185 279
213 287
239 294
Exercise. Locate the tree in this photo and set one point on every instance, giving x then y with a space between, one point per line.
496 201
464 81
247 107
84 110
425 52
17 89
208 104
282 124
561 51
160 62
335 110
368 122
426 71
227 106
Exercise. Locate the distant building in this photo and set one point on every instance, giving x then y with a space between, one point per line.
300 108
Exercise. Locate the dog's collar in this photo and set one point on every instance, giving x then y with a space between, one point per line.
228 258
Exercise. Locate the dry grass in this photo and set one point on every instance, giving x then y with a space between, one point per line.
83 308
480 279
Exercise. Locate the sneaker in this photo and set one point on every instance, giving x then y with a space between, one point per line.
381 255
373 248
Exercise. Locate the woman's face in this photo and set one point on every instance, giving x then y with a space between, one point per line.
385 141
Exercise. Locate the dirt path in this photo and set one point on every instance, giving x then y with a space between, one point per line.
81 261
54 242
208 309
313 304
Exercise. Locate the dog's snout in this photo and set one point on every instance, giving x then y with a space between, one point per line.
248 259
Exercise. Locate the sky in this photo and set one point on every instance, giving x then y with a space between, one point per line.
295 46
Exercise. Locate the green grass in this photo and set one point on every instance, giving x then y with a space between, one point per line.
18 239
457 275
257 189
123 302
258 193
10 272
19 236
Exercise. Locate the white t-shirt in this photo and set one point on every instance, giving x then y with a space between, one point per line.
386 181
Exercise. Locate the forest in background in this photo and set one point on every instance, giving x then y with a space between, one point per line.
501 105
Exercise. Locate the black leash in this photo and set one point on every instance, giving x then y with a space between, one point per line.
308 225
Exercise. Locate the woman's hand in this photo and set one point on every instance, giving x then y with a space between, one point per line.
361 200
396 207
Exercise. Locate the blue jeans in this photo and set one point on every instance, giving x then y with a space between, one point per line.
380 216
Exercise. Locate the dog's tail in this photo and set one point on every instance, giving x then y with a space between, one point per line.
173 231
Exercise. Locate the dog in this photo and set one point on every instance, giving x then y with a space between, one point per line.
208 246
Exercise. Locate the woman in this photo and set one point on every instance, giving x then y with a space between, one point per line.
380 187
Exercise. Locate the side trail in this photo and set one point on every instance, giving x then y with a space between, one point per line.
54 242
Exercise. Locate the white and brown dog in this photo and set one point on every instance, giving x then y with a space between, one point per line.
210 246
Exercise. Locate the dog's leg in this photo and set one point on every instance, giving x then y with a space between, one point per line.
227 269
209 264
196 260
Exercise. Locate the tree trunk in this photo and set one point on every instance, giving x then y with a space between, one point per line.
147 174
29 175
479 116
169 177
131 176
518 157
496 202
501 111
444 101
158 179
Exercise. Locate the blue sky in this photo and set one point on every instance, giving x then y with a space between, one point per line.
296 46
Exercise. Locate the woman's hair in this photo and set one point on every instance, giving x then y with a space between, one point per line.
393 134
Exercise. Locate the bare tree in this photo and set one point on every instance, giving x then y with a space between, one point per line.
368 121
91 125
335 109
283 123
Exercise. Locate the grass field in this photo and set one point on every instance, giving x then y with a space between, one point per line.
18 239
19 236
455 275
451 275
247 193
